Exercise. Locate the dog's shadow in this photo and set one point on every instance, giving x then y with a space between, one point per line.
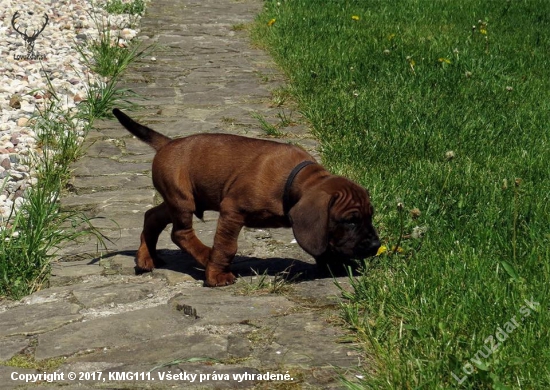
244 266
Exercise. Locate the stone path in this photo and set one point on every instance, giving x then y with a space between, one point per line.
97 316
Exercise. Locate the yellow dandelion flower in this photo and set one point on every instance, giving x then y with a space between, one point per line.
398 250
383 249
483 31
444 60
271 22
355 17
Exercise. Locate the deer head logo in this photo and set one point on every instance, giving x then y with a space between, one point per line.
29 39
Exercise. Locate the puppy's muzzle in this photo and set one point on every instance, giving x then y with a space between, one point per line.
368 250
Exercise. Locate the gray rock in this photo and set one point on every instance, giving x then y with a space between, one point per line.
100 294
6 163
92 166
10 346
214 306
163 349
106 198
304 339
75 269
35 319
15 101
114 331
6 372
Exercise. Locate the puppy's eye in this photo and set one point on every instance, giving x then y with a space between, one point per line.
350 223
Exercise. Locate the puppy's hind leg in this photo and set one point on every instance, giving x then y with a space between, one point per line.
155 221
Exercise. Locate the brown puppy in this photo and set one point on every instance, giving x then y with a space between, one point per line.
254 183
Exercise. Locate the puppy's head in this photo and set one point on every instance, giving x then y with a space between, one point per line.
335 217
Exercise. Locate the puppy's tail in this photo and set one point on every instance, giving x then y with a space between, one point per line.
147 135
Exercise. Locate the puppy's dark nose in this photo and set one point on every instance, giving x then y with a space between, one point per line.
370 249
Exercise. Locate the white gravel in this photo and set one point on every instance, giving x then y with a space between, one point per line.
23 81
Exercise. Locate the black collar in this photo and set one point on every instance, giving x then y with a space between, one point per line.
288 184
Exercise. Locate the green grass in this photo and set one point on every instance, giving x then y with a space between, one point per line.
268 128
280 283
24 361
107 58
31 237
135 7
103 96
104 55
425 110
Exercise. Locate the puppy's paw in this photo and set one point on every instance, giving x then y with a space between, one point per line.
145 263
219 279
138 270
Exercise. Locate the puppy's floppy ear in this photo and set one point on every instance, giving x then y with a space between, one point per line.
310 222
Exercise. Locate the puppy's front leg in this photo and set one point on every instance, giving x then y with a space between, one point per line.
218 271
